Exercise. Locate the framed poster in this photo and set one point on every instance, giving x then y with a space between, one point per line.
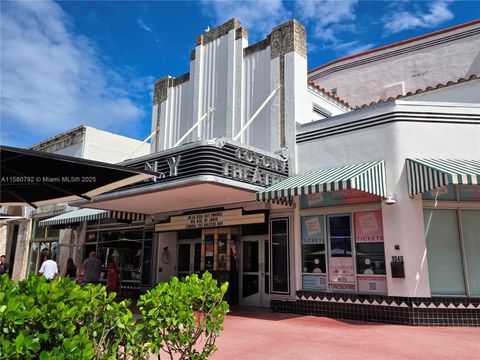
368 227
314 282
372 284
312 230
341 270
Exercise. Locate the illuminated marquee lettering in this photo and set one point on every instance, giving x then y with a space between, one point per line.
240 164
249 174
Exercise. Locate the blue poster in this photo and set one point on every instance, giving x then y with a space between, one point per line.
312 230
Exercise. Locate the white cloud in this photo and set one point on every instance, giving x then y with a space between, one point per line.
54 80
143 25
259 17
437 13
327 20
352 47
327 17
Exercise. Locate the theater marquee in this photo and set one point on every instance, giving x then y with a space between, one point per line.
210 220
219 157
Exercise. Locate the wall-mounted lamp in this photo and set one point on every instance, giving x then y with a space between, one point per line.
390 199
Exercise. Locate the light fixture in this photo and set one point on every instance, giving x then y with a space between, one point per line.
391 199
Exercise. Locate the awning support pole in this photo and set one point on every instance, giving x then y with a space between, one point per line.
193 127
256 113
143 142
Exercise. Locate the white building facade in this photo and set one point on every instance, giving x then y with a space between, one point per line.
366 212
22 239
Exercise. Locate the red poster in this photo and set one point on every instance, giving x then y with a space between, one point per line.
368 227
342 286
341 270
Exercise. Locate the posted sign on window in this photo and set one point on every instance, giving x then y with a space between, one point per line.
368 227
312 230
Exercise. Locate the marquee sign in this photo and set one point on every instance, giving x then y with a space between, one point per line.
210 220
218 157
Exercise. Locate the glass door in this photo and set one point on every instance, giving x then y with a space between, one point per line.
189 256
255 272
183 260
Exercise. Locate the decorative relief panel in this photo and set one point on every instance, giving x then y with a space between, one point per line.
290 36
241 32
161 89
218 32
62 141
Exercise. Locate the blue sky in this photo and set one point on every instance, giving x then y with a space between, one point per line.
64 64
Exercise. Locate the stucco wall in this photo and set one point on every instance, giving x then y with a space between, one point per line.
235 80
401 69
104 146
394 142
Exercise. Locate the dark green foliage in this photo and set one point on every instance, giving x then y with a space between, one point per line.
183 318
62 320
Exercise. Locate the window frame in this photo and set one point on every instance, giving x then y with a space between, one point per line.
458 206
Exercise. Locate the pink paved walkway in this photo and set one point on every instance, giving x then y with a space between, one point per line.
253 334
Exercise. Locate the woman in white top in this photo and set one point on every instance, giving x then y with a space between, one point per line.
49 268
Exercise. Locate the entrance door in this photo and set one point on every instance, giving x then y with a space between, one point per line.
254 272
189 255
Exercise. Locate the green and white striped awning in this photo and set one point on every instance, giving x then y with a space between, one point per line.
429 174
86 214
368 177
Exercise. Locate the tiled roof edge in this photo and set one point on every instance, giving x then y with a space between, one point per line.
419 91
329 94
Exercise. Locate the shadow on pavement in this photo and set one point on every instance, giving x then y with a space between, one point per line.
267 314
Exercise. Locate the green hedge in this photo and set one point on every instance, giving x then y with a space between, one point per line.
62 320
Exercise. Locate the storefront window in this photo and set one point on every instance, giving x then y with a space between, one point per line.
147 263
369 243
355 261
45 240
124 247
454 193
445 193
313 245
335 198
469 192
471 239
32 266
341 268
444 252
371 259
280 257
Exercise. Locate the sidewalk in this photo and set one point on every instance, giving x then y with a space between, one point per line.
259 334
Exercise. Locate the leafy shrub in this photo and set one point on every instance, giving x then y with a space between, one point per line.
183 318
62 320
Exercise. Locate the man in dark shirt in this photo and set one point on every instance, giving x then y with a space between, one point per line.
92 268
4 268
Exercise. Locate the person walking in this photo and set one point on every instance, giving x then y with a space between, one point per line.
71 270
49 268
113 278
91 269
4 267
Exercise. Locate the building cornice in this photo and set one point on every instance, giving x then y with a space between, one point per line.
219 31
288 37
61 141
394 46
